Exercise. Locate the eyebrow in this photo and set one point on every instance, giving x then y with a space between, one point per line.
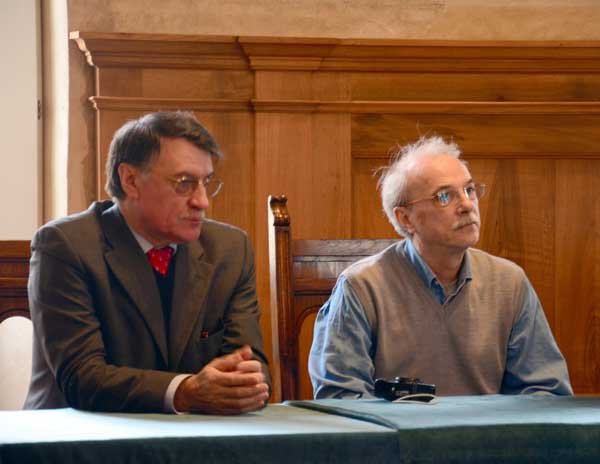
446 187
187 174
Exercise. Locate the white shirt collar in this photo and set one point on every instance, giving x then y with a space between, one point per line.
145 244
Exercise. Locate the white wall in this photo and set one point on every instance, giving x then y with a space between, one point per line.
20 130
20 171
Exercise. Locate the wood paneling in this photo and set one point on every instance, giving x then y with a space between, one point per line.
368 217
312 118
494 135
176 83
234 131
518 214
577 270
518 86
290 87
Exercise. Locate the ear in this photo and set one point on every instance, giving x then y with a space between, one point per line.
129 179
403 217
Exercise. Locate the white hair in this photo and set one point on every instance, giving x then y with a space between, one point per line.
393 182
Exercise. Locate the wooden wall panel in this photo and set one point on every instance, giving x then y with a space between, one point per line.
368 218
303 85
176 83
518 218
483 135
235 134
308 156
312 118
577 270
119 82
474 87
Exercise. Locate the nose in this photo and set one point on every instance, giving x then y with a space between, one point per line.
465 204
199 199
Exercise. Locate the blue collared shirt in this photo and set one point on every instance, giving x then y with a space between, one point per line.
430 279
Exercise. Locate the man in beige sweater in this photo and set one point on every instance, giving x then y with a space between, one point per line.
431 306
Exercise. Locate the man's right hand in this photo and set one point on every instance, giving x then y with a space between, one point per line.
230 384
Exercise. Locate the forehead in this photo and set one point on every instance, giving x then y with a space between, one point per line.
179 156
432 172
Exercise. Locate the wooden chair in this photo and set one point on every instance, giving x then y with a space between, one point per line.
302 276
15 332
14 272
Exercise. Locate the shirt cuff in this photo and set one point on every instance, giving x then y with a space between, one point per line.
169 401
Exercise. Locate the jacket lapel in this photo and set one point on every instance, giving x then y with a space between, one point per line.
193 275
130 266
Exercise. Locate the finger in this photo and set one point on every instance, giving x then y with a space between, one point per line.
251 406
260 390
249 366
239 379
228 362
246 352
239 406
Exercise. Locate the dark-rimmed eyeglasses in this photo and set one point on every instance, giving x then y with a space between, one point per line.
187 185
447 196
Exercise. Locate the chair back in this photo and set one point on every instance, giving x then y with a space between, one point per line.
14 272
302 276
15 325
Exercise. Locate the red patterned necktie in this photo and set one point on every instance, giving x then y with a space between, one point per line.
160 258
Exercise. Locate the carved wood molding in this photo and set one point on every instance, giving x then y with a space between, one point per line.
278 207
385 158
425 107
160 50
374 107
154 104
312 54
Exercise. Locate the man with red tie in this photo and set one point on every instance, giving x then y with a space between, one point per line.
140 303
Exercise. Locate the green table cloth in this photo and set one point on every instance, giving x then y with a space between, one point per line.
279 433
484 429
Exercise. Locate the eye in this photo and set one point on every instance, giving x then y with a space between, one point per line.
471 191
185 185
444 197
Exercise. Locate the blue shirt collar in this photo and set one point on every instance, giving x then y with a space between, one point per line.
429 278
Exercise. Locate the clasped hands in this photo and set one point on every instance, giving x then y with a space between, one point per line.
230 384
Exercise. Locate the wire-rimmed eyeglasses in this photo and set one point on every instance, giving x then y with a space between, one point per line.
187 185
446 196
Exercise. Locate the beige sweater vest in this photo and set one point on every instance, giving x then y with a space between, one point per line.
460 346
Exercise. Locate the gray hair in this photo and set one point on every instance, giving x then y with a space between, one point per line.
393 182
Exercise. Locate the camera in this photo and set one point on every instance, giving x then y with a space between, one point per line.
401 386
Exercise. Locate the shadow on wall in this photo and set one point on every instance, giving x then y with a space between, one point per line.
15 361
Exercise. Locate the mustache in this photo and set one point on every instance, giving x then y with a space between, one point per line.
201 214
466 221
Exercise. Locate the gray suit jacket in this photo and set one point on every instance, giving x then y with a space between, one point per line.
99 329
